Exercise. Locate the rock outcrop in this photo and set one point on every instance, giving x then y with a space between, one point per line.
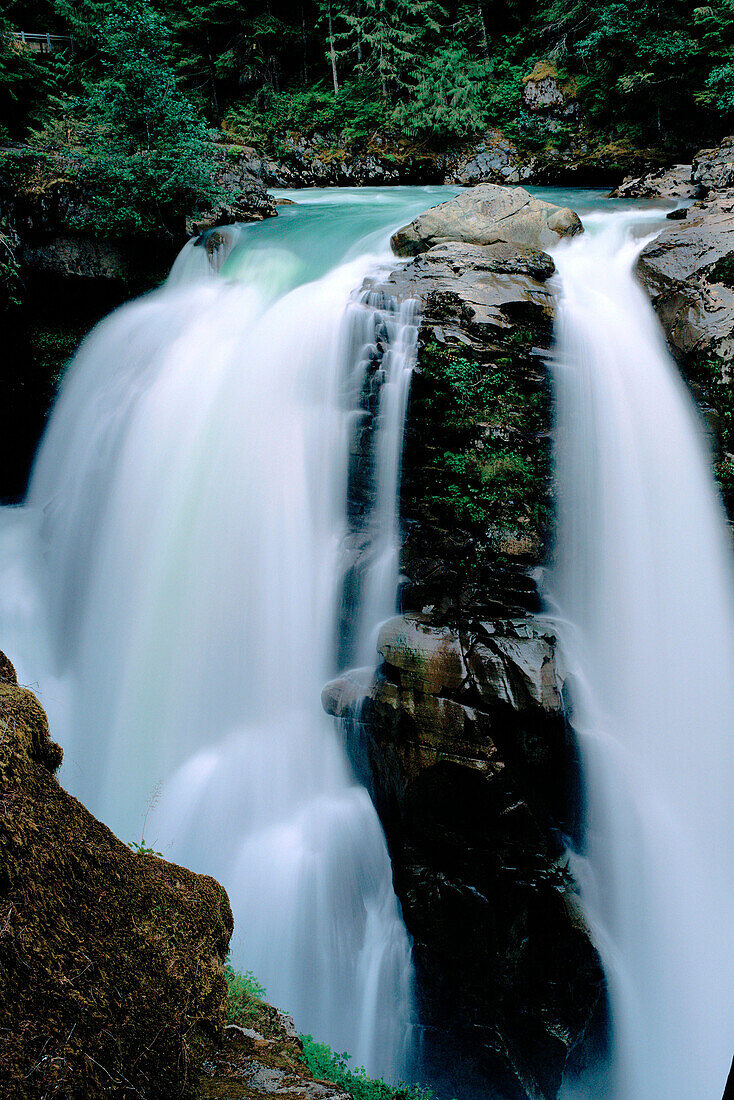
485 215
713 169
491 159
111 979
675 182
461 733
546 92
328 160
689 272
247 201
111 961
468 755
264 1058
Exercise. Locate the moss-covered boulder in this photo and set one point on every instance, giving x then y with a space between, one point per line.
111 962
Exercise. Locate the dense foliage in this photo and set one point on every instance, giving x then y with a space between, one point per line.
151 71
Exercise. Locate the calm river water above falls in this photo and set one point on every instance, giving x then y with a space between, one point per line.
172 584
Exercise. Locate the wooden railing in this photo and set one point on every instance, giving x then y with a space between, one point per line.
41 43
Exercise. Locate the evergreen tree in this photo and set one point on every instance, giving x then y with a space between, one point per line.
148 153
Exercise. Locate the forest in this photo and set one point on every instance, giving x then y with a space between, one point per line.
135 91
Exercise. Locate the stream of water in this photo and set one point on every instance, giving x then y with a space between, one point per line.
173 583
643 592
172 586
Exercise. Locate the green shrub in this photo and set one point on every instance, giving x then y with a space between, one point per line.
326 1065
245 997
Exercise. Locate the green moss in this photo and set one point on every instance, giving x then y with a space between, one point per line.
493 471
723 271
110 962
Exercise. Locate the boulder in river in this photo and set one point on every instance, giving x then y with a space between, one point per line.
485 215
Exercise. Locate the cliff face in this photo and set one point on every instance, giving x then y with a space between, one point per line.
111 962
462 736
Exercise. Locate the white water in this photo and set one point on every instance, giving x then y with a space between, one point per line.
171 586
642 587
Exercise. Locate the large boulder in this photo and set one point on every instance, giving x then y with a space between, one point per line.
713 169
485 215
111 961
490 281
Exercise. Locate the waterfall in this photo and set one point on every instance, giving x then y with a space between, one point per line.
171 586
642 589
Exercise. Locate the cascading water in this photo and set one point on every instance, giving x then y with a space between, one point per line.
642 589
171 585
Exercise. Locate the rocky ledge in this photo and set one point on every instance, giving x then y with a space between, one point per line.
45 211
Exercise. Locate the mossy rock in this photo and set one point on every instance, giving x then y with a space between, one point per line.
111 962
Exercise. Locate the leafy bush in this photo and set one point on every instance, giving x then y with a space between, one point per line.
244 997
326 1065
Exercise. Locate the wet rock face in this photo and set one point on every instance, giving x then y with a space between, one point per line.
688 270
713 169
111 979
485 215
476 465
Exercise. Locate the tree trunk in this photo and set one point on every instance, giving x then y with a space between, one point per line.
332 54
212 78
483 30
359 32
303 40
